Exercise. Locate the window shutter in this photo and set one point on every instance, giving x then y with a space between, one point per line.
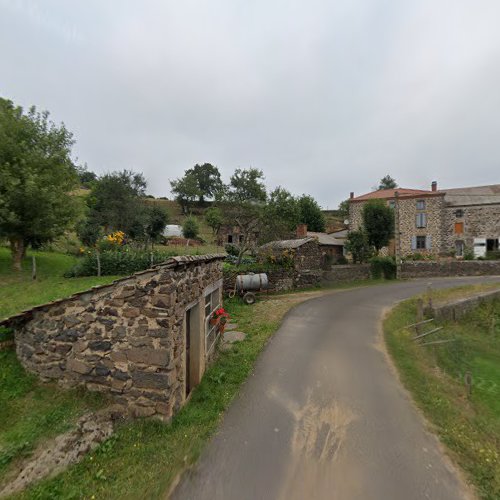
413 242
428 242
424 220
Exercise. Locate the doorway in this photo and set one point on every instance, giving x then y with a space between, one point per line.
188 352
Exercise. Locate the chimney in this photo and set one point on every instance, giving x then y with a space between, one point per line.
352 195
434 186
302 231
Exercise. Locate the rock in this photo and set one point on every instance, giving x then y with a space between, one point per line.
131 312
78 366
231 326
158 357
233 336
151 380
99 345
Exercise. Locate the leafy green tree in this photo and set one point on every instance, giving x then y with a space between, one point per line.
378 223
155 218
311 214
115 202
214 218
89 232
208 180
186 191
358 246
86 177
281 215
387 182
190 228
36 178
247 185
343 209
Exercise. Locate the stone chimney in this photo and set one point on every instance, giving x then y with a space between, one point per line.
434 186
302 231
352 195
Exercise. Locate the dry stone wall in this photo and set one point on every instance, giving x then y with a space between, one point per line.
126 339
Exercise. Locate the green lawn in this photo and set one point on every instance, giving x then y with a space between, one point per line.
19 291
435 376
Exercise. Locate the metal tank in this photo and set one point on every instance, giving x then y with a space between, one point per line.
248 282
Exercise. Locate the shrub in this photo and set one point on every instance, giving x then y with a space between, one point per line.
383 266
190 228
245 260
232 250
118 262
493 255
469 254
340 261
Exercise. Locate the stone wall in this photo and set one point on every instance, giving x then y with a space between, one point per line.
343 274
481 221
280 280
459 308
423 269
127 338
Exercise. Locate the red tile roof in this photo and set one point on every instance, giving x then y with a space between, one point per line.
385 194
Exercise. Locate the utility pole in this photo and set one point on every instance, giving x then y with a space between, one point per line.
397 246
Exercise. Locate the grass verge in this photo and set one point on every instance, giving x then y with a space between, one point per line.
469 427
31 412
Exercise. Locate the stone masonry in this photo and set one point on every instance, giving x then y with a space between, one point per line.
128 338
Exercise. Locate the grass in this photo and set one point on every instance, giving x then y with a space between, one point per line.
20 292
143 457
469 427
31 412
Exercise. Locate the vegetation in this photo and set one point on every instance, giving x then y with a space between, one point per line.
469 427
36 178
378 223
383 267
190 228
311 214
357 245
214 219
387 182
20 292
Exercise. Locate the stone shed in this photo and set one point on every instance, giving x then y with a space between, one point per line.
145 339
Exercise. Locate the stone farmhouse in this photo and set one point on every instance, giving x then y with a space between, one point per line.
439 222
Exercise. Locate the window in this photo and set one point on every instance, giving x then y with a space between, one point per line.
459 213
420 204
229 238
212 303
459 227
421 243
421 220
392 204
241 239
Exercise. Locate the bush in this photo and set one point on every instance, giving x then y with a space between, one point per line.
190 228
469 254
232 250
493 255
114 263
340 261
245 260
383 266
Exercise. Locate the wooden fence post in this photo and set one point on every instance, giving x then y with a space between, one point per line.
98 257
33 267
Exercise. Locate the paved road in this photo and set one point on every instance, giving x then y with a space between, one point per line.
324 417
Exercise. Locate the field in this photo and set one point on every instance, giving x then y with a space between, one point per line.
468 426
20 292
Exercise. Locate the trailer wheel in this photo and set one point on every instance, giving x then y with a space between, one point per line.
249 298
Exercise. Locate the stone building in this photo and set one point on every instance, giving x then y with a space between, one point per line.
145 339
439 222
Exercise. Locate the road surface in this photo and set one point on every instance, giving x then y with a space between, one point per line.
324 415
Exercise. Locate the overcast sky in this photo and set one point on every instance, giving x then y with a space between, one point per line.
325 96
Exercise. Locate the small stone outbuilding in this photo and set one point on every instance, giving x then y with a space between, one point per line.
145 339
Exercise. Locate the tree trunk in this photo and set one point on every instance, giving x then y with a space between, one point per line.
18 250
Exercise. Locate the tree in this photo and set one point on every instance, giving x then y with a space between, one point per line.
281 215
387 182
186 191
357 245
36 178
115 202
247 185
86 177
190 228
311 214
214 219
208 180
155 218
343 209
378 223
243 202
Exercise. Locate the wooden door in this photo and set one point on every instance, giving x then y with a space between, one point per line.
188 352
